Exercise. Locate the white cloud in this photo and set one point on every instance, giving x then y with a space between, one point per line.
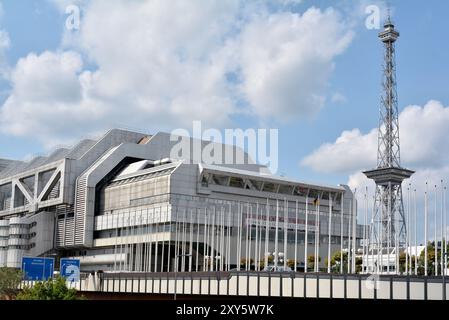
339 98
423 134
351 151
163 64
4 40
286 61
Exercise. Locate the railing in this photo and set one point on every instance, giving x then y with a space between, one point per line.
268 284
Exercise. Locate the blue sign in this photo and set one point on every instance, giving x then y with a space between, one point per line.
38 269
70 269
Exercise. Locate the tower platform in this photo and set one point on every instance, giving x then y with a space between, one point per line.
393 175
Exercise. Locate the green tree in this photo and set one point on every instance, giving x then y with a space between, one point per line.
291 264
9 282
403 256
358 264
52 289
262 262
311 261
430 260
243 262
336 261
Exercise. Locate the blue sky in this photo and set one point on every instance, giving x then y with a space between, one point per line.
422 51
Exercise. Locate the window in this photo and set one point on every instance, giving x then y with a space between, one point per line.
220 180
286 189
269 187
256 184
236 182
204 182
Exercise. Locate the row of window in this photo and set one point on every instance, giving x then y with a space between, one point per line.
22 247
200 230
266 186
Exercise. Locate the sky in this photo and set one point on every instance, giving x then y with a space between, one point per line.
311 69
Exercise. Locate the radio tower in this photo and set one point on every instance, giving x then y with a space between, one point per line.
388 224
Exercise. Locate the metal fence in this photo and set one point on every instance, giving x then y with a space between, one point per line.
268 284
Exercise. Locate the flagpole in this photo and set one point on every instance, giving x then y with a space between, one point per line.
169 219
354 233
145 247
175 269
435 263
157 242
239 240
150 262
184 241
425 231
415 232
330 230
212 254
259 216
371 236
256 258
191 240
296 235
220 244
382 235
197 238
365 259
222 241
125 243
250 233
306 234
445 230
349 233
116 239
407 226
389 230
276 236
228 254
206 238
267 233
163 242
285 231
441 235
217 254
317 235
341 232
246 236
138 246
409 229
131 244
217 241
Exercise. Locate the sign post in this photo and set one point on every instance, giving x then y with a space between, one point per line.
37 269
70 269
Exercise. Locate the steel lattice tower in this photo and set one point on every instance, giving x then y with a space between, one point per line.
388 224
